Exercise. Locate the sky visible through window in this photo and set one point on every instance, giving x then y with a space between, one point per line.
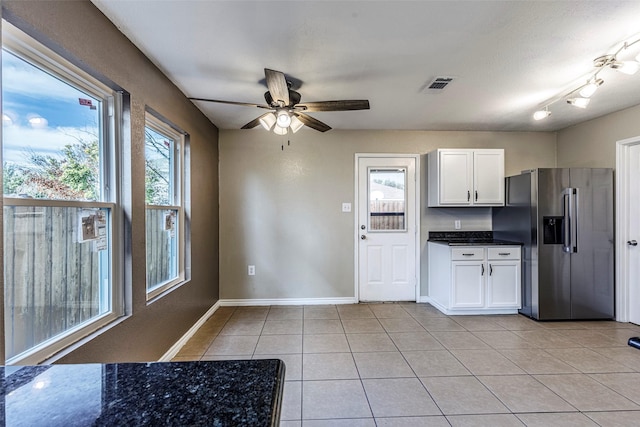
42 113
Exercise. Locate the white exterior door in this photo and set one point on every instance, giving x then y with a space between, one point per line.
632 238
386 229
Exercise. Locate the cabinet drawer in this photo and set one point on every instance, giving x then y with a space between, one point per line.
467 254
504 252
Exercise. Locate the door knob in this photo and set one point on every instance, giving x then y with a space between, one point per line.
363 237
362 227
632 243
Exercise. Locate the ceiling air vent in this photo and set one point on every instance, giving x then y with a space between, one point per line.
438 84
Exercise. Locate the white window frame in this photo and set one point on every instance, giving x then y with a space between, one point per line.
25 47
155 122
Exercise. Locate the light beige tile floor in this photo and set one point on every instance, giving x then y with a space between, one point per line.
407 364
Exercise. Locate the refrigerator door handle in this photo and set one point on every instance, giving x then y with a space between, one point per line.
567 220
574 220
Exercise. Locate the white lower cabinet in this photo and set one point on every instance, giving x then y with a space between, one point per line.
475 279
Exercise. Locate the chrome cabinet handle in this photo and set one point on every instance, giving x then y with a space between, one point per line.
482 273
468 195
467 254
490 269
476 195
632 243
504 253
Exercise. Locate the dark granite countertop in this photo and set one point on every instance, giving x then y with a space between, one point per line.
468 238
215 393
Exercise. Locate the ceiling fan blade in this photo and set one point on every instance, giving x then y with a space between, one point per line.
312 122
345 105
277 84
253 123
219 101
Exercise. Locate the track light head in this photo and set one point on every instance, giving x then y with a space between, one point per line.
541 114
579 102
591 87
626 67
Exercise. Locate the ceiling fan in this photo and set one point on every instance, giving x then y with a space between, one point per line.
285 109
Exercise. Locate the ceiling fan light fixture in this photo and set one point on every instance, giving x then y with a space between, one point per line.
284 119
541 114
278 130
591 87
579 102
268 120
296 124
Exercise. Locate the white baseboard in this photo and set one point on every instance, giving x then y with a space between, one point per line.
288 301
170 354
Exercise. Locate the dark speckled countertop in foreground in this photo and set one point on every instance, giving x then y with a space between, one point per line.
468 238
215 393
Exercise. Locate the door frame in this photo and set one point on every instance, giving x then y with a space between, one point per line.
622 221
356 216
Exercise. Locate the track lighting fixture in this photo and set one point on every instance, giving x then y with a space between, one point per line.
579 102
590 88
541 114
587 90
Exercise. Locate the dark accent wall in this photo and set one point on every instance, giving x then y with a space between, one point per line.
82 34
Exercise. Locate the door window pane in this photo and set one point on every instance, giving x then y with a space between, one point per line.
387 195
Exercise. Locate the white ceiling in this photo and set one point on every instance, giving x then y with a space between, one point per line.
508 58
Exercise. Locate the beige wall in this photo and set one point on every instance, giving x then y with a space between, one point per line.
593 143
81 33
280 210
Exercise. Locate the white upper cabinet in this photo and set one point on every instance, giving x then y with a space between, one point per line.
466 177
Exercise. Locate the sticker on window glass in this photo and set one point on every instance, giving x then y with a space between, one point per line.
87 223
100 243
170 223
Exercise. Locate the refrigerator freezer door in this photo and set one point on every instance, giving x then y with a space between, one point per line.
592 265
553 284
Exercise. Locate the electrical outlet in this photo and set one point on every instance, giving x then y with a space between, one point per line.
346 207
457 224
251 270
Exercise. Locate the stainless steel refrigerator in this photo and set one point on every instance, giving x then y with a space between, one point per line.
564 218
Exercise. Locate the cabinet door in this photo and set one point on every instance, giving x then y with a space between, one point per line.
503 284
488 177
467 284
456 177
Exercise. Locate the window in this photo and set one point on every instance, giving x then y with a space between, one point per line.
387 195
60 204
165 219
